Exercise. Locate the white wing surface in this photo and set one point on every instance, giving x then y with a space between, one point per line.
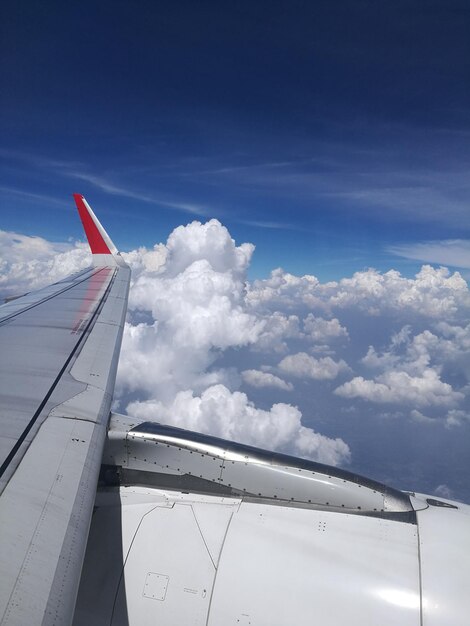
59 354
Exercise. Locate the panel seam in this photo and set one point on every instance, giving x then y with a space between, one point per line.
54 295
217 568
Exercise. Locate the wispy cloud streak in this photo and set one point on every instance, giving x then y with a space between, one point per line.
38 197
76 170
109 187
453 252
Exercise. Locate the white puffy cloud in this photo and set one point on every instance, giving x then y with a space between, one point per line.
410 371
399 387
210 242
28 263
460 333
257 378
418 416
319 329
302 365
193 293
278 329
229 415
451 418
149 261
456 417
433 293
194 297
285 291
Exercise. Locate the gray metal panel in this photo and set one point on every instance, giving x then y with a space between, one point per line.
58 363
34 297
444 539
200 462
273 565
44 521
36 344
152 560
306 567
233 451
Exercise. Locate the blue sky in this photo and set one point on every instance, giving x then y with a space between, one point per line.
330 134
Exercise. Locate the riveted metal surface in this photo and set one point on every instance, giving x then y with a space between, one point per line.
393 499
240 469
173 459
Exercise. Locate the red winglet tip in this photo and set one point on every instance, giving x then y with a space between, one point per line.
95 239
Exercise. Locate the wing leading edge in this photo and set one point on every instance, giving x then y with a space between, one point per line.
60 349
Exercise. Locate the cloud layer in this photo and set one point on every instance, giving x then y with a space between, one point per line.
28 263
273 362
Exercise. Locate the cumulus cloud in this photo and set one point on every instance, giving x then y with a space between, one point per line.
410 371
418 416
457 417
433 293
401 388
194 297
257 378
193 293
28 263
303 365
278 329
232 416
321 330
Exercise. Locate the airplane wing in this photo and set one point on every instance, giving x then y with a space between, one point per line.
59 353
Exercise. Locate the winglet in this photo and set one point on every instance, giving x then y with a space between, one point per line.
102 248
